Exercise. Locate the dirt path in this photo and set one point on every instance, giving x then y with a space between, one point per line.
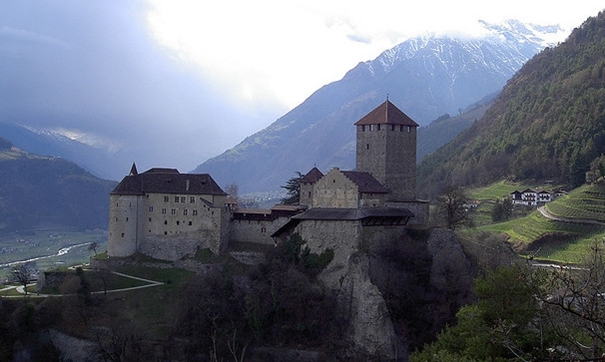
20 288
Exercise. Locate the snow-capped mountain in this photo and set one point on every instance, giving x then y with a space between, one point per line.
426 77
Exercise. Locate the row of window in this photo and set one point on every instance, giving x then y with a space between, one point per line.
376 127
189 223
173 211
180 199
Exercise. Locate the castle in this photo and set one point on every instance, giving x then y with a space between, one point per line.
169 215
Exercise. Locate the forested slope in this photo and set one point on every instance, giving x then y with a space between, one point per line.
548 122
50 191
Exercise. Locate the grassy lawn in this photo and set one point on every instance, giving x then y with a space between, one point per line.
151 311
496 190
575 251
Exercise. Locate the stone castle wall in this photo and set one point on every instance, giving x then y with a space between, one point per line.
418 207
335 190
124 213
166 226
388 152
255 231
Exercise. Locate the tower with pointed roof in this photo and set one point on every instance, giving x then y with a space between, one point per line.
386 148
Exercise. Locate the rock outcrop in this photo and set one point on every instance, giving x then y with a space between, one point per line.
430 271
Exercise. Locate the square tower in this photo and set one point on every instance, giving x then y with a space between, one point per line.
386 148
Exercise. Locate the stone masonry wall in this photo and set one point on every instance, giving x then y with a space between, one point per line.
255 231
335 190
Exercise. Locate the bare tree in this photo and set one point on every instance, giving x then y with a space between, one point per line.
22 273
451 208
575 303
93 247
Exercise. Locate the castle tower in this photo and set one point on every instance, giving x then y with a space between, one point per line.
386 148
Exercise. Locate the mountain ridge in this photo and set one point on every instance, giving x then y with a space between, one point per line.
319 131
40 190
547 124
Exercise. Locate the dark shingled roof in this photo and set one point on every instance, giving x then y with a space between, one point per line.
368 216
320 213
366 182
386 113
167 181
312 176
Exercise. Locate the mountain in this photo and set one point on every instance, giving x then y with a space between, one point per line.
38 191
426 77
548 123
52 143
445 128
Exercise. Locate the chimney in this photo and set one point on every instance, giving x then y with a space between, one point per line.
187 186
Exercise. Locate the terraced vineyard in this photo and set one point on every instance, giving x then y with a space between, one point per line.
535 226
557 240
584 203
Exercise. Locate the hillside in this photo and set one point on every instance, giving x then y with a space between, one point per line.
50 143
41 191
445 128
426 77
548 122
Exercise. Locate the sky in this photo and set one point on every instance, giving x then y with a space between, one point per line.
172 83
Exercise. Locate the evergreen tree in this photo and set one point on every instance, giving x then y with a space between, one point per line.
293 190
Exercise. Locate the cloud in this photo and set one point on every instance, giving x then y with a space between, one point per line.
172 83
91 70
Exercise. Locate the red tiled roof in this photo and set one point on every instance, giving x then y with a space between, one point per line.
386 113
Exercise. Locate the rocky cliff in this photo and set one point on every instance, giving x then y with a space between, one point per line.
397 294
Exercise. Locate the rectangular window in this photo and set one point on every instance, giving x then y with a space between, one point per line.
194 212
183 198
122 234
173 211
176 199
166 199
185 212
150 208
190 223
192 199
163 211
149 219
